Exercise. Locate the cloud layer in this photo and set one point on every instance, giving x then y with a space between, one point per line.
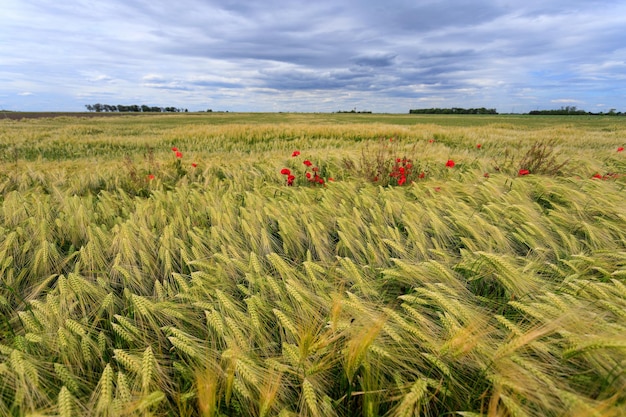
283 55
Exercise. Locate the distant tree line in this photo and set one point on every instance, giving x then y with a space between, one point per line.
453 110
132 108
572 110
355 111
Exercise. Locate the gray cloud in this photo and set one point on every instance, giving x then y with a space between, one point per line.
311 56
375 60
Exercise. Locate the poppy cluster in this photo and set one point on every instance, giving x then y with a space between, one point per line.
312 176
609 176
177 164
178 153
290 178
401 170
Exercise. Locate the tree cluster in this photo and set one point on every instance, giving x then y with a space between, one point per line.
572 110
453 110
355 111
132 108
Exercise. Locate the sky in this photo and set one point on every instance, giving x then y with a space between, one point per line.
313 56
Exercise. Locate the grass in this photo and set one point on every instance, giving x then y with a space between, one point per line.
217 290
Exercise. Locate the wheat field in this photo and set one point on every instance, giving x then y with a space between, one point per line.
135 281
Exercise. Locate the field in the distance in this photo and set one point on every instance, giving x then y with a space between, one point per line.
138 281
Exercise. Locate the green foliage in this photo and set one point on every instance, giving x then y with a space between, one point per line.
453 110
385 163
540 158
567 110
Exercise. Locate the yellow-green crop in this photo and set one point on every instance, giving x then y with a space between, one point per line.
135 283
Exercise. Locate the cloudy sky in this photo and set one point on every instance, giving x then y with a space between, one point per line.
322 55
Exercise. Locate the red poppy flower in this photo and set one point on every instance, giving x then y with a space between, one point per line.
308 175
486 175
290 179
421 175
179 154
315 169
437 189
402 180
331 179
194 165
295 153
450 163
174 149
620 149
375 178
431 140
150 176
523 172
598 176
285 171
320 180
307 162
478 146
